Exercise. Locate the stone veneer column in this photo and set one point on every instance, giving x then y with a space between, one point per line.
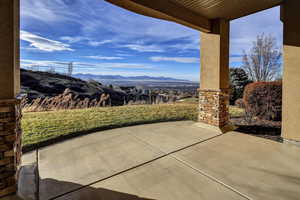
291 71
214 107
10 145
10 114
214 84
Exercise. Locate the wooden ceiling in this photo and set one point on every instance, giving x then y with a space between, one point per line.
227 9
197 14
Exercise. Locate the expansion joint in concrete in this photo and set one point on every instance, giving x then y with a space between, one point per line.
171 154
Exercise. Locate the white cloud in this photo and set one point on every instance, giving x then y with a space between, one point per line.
44 44
125 69
47 63
30 63
97 27
99 43
144 48
94 15
127 65
73 39
83 65
191 43
104 57
76 39
175 59
236 59
93 18
124 55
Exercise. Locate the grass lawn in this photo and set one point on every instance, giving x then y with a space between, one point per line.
42 126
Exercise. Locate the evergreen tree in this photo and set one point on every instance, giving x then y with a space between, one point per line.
238 80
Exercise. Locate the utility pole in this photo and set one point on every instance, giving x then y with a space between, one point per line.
52 69
35 67
70 69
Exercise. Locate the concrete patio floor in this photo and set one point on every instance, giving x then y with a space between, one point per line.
163 161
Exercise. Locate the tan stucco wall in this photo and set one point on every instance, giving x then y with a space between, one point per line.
215 57
9 49
291 75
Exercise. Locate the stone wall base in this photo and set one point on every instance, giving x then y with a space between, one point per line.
10 145
214 107
291 142
221 130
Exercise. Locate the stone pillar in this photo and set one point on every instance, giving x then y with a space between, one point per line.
10 145
291 75
10 114
214 83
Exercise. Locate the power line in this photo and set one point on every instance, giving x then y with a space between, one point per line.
68 67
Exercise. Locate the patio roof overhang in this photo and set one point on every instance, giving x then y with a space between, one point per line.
197 14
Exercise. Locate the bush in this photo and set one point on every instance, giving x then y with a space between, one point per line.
263 100
239 103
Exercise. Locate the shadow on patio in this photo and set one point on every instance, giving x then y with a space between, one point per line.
88 192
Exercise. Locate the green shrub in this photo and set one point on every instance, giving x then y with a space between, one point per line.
263 100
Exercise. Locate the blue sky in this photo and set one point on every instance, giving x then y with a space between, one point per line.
101 38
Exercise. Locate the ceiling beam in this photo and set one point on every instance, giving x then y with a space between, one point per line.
167 10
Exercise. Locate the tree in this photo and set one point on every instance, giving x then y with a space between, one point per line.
263 63
238 81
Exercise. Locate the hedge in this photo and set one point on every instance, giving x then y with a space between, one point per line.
264 100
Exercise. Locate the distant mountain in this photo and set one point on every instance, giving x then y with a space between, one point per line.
113 78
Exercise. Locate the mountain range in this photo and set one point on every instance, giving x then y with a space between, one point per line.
126 78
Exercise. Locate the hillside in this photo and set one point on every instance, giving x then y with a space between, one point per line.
44 84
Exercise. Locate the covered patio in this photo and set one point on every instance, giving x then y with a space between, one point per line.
170 161
232 165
